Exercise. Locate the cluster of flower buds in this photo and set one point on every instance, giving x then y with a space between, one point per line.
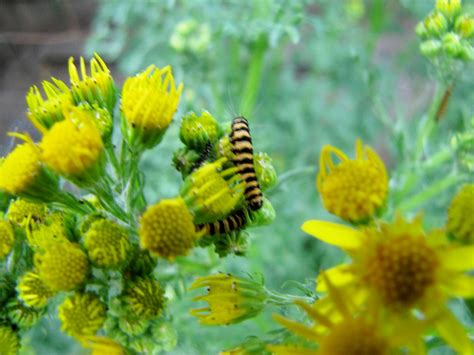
447 31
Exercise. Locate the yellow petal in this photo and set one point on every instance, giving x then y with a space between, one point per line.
460 285
340 276
297 328
459 259
453 333
332 233
314 314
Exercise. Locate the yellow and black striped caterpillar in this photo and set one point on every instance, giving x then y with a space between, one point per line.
243 159
233 222
203 156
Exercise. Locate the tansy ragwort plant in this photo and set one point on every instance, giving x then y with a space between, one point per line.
78 232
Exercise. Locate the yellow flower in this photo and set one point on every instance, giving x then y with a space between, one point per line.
211 193
101 345
460 215
144 297
73 147
348 330
81 314
7 238
9 340
449 8
50 231
401 268
230 299
107 244
167 229
21 315
197 131
149 101
23 212
63 266
44 113
354 190
96 88
32 290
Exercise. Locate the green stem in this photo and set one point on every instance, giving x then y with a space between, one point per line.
280 299
254 76
430 192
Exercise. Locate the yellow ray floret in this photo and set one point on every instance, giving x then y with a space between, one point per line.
73 147
401 268
32 291
167 229
354 190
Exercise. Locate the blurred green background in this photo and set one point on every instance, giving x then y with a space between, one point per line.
305 74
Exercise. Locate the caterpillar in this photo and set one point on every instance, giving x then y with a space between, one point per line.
203 156
233 222
243 159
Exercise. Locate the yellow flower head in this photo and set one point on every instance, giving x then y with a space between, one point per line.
23 212
354 190
9 340
230 299
50 231
449 8
401 268
460 215
149 101
7 238
32 291
21 315
73 147
81 314
44 113
96 88
63 266
107 244
101 345
211 193
144 297
20 169
465 26
167 229
197 131
347 330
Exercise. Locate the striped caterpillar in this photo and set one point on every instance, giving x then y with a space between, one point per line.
233 222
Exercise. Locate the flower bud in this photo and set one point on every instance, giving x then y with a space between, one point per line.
21 315
452 45
7 238
196 131
22 212
266 173
435 24
449 8
421 31
430 48
144 298
460 223
464 26
33 291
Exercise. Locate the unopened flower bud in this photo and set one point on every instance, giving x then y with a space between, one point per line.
464 26
430 48
435 24
196 131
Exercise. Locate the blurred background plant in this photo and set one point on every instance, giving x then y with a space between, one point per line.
305 74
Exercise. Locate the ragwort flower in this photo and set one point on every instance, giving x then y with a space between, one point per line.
9 340
167 229
23 212
63 266
7 238
149 101
107 243
44 113
230 299
349 331
22 315
401 268
354 190
81 314
32 291
96 88
461 215
73 147
144 297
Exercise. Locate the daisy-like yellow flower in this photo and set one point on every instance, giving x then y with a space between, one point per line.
73 147
212 192
44 234
460 215
81 314
63 266
9 340
167 229
400 267
7 238
348 330
32 291
22 212
21 173
145 298
354 190
230 299
149 101
107 243
44 113
22 315
95 88
197 131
